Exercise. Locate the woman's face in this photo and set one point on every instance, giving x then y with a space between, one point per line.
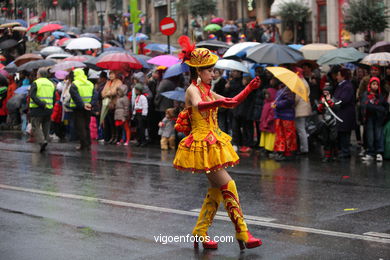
374 86
112 75
206 75
339 77
217 74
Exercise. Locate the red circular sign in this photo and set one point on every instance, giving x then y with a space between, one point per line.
167 26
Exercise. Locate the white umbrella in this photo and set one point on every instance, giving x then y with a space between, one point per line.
59 56
84 43
315 50
51 50
239 47
380 58
231 65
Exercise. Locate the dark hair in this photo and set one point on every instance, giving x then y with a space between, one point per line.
345 73
194 73
103 74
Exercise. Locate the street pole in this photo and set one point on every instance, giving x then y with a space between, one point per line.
101 30
134 39
15 11
169 15
242 15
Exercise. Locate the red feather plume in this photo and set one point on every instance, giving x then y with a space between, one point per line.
186 46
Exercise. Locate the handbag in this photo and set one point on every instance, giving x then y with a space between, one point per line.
183 122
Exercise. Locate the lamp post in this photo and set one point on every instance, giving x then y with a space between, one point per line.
101 9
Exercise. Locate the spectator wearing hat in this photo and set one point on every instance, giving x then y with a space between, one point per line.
140 112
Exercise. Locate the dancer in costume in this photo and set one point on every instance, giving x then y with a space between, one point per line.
207 149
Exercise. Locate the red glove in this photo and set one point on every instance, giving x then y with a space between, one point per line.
224 102
254 84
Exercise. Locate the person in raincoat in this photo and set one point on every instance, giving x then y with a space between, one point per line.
81 92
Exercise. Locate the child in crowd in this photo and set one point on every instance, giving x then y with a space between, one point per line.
267 122
140 111
374 110
328 128
121 114
167 130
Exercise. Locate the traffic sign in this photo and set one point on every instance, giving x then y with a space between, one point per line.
167 26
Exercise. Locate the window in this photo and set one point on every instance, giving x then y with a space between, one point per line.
322 22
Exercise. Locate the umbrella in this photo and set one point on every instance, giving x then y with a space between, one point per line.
358 44
7 44
59 56
19 29
115 43
118 61
67 65
81 58
178 94
11 68
143 59
61 74
36 64
381 58
340 56
238 49
271 21
11 24
51 50
217 20
35 28
74 30
90 35
26 58
22 22
231 65
22 89
159 47
114 49
272 53
139 37
296 46
230 28
291 80
63 42
93 29
315 50
84 43
91 63
50 27
164 60
212 27
175 70
212 44
382 46
60 34
103 113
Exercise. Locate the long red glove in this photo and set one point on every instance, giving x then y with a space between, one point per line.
224 102
254 84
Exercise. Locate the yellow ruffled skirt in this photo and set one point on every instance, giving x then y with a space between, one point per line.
267 140
208 154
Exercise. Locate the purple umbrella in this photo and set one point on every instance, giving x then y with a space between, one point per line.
67 65
218 20
164 60
61 74
382 46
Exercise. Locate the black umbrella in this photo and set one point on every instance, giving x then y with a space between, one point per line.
36 64
11 68
91 63
212 44
9 43
115 43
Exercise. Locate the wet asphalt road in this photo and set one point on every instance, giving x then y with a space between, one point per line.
112 202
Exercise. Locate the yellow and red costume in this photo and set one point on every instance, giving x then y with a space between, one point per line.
206 148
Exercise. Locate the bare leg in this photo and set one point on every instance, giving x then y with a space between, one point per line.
218 178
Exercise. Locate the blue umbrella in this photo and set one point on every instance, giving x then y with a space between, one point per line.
159 47
59 34
144 60
271 21
175 70
23 89
114 49
230 28
295 46
178 94
139 37
22 22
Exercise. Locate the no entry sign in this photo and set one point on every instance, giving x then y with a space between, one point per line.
167 26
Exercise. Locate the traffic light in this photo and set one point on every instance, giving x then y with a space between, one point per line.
134 15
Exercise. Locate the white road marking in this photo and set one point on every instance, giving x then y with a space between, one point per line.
247 217
377 234
192 213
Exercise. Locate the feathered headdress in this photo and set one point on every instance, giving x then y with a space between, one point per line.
187 48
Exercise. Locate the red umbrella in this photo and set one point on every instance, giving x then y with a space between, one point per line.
118 61
50 27
63 41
